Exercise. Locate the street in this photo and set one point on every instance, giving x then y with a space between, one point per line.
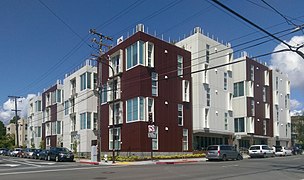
287 168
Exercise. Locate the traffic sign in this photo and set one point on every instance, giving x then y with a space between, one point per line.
151 129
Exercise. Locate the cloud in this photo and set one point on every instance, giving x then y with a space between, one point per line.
6 113
295 104
290 62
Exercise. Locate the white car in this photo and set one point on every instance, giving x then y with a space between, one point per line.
260 151
282 151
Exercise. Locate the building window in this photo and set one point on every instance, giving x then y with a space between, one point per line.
206 118
264 94
179 65
134 54
207 53
38 132
251 72
185 139
225 80
252 107
83 119
277 112
38 106
226 121
83 81
104 94
73 124
117 113
208 96
155 140
239 125
286 100
115 63
95 80
180 114
277 83
186 91
89 120
95 121
66 107
154 79
150 54
150 108
53 97
117 138
58 127
264 127
238 89
135 109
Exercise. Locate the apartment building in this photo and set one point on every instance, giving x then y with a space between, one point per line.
150 85
280 108
34 121
52 107
80 108
211 89
22 131
252 100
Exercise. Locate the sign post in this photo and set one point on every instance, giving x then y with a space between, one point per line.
151 135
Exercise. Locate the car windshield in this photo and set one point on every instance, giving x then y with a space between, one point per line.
212 148
254 148
63 150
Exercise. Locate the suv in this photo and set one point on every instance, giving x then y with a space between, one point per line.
223 152
261 151
60 154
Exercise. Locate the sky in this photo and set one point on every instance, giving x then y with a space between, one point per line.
42 40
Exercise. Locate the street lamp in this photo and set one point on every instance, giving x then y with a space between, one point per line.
113 113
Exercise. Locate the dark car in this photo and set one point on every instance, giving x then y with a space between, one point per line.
60 154
28 152
3 151
43 154
36 153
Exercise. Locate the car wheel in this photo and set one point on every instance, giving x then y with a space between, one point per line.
264 155
224 158
48 158
57 159
239 157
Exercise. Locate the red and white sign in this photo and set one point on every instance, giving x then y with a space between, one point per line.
151 129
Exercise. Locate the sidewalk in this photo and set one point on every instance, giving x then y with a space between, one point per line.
166 161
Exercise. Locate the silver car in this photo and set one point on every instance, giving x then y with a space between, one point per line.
261 151
223 152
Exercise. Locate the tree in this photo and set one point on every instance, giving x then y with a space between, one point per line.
42 144
7 141
13 121
2 129
300 129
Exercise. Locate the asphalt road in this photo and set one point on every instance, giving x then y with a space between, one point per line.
285 168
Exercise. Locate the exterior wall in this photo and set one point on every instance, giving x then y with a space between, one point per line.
22 131
257 90
281 108
34 120
136 82
220 99
85 101
52 108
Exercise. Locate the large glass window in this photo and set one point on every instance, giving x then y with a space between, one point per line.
239 125
238 89
180 114
154 78
135 54
179 65
185 139
117 138
83 81
135 109
38 106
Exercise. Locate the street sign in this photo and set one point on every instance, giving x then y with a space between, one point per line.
151 129
152 135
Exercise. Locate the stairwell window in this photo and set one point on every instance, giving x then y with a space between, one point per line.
239 125
185 140
208 96
207 53
149 54
251 72
155 140
180 115
117 138
186 91
154 79
226 121
225 80
264 127
238 89
179 65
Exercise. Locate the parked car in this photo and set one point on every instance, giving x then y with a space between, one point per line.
261 151
16 152
36 153
43 154
282 151
28 152
60 154
223 152
3 151
297 149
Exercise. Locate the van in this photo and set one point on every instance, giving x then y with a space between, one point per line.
223 152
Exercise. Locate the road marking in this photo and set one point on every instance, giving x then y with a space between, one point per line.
23 163
54 170
10 165
230 166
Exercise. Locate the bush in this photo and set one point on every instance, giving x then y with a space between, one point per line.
139 158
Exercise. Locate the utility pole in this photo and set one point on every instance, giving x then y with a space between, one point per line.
16 117
99 86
